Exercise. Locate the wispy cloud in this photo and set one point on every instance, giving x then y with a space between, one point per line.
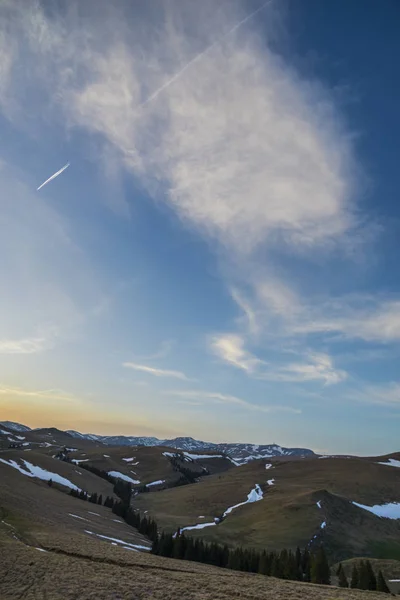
23 346
50 394
53 177
218 398
385 394
315 367
156 372
231 349
248 151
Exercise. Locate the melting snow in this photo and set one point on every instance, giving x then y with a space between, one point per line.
19 437
199 526
93 513
122 476
77 517
319 504
106 455
254 496
268 466
394 580
79 460
155 482
129 459
117 521
33 471
117 541
200 517
270 482
323 524
40 549
5 432
390 463
387 511
201 456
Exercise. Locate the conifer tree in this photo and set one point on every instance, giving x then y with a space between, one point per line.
320 572
263 564
100 500
354 577
363 576
381 584
371 576
306 565
343 579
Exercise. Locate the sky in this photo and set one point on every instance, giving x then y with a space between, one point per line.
220 257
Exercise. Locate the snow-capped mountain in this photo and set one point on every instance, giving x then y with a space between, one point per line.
240 453
15 426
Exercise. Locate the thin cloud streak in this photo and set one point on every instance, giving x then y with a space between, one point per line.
218 398
156 372
203 53
53 176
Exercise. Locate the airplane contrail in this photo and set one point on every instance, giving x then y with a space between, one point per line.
198 56
53 176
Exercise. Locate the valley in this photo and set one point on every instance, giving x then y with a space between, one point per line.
274 504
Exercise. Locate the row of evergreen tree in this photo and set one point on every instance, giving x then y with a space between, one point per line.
144 525
363 577
299 565
93 498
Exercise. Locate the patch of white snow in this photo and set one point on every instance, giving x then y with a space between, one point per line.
31 470
386 511
391 463
159 482
119 475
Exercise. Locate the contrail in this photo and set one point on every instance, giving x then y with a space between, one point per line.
198 56
53 176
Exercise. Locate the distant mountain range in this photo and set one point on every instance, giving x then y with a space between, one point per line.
239 453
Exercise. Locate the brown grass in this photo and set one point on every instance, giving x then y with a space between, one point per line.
288 515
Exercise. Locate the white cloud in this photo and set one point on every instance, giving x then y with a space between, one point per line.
385 394
23 346
316 367
246 150
156 372
219 398
230 348
51 394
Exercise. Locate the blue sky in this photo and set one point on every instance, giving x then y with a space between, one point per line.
220 258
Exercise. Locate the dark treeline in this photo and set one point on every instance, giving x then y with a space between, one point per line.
298 566
186 475
363 577
144 525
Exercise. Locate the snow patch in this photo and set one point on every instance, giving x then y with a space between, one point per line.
93 513
391 463
119 475
79 460
118 541
77 517
201 456
31 470
386 511
254 496
159 482
106 455
268 466
323 524
19 437
198 526
271 481
129 459
40 549
319 504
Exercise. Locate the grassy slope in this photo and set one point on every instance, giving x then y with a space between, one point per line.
79 566
288 515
